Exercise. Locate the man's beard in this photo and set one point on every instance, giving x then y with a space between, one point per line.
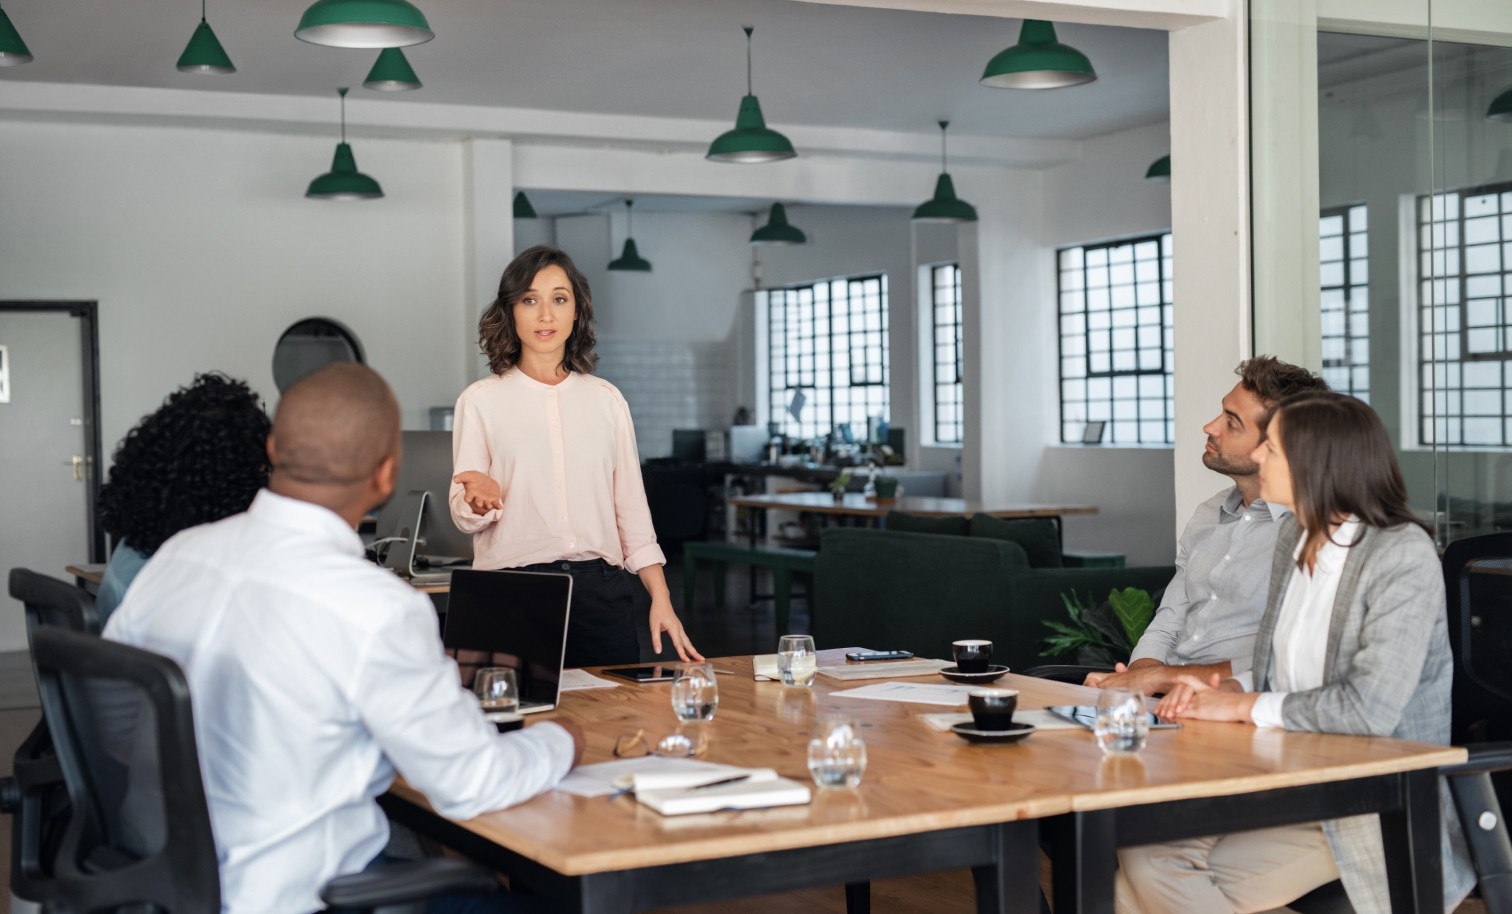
1230 466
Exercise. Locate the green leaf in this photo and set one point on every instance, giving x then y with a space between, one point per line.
1134 609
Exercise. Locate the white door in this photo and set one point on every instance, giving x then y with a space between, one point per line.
44 465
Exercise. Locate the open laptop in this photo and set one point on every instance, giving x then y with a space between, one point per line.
520 616
406 530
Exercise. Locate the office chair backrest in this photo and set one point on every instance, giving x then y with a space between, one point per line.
1478 584
124 731
49 601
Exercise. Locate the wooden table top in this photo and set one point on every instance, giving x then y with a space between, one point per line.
93 573
917 779
854 503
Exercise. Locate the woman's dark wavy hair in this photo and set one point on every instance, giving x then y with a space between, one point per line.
1341 463
497 336
201 457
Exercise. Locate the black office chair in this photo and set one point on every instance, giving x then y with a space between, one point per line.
1478 584
139 835
34 794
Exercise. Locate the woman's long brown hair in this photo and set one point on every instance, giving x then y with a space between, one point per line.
499 339
1342 463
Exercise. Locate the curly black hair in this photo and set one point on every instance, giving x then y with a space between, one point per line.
201 457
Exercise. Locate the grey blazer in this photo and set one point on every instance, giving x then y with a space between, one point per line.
1387 672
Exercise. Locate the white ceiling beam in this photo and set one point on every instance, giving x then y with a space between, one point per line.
1169 15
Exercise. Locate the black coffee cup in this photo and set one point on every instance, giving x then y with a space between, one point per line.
972 656
992 709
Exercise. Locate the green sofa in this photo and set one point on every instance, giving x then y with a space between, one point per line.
889 589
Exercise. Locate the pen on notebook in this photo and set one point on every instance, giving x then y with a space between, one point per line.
733 779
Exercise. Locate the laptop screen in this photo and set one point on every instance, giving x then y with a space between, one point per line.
519 616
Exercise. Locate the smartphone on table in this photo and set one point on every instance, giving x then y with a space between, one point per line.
865 656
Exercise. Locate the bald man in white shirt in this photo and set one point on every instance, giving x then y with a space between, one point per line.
316 675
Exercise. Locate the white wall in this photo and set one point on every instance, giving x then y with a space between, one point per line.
201 249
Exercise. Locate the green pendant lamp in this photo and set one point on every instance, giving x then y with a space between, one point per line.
391 73
522 207
1499 112
204 53
630 261
13 51
344 181
1038 61
1159 171
944 206
778 230
363 24
751 142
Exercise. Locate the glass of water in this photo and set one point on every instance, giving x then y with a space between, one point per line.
1123 723
497 689
695 694
797 661
837 754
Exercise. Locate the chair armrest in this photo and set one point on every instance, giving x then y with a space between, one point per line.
410 880
1485 758
1064 672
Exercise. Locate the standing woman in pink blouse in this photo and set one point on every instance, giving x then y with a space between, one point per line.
547 473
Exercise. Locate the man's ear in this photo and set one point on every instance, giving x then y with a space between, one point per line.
386 476
272 448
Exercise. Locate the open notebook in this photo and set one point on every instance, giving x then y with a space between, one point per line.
675 793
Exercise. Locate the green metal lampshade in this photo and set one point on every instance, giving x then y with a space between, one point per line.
522 207
751 142
13 51
778 230
1159 171
1038 61
391 73
630 260
204 53
944 206
363 24
344 181
1500 110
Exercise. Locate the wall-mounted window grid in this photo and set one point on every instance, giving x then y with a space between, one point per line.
1116 341
945 285
1344 300
828 341
1465 316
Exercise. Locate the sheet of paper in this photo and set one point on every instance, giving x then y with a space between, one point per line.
1042 720
572 680
914 692
598 780
849 672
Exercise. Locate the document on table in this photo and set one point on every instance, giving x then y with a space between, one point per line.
605 778
914 692
573 680
848 672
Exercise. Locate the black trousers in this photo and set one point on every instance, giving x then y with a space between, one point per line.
608 606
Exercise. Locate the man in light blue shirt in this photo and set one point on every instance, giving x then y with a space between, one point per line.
1207 620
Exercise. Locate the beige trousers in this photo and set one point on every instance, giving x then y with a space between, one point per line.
1243 872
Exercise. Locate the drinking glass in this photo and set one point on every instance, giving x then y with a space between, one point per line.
497 689
695 694
1122 723
837 754
797 661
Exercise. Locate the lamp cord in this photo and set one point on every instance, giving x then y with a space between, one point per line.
202 10
343 93
943 125
748 30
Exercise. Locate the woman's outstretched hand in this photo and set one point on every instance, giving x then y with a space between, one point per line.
480 491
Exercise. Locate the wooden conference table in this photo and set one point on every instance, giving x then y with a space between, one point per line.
931 801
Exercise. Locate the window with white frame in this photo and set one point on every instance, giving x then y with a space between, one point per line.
827 350
945 321
1116 342
1344 300
1464 330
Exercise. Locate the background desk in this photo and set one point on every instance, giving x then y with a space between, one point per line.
929 801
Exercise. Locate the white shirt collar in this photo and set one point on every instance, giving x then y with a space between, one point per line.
306 519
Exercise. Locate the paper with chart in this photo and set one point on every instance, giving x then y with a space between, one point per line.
912 692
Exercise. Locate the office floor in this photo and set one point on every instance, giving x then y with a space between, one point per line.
733 629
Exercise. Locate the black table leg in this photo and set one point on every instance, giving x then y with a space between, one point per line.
1084 859
1011 886
858 898
1414 857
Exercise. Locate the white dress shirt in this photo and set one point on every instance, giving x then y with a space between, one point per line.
1301 638
315 675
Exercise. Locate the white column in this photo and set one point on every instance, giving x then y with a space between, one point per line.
488 233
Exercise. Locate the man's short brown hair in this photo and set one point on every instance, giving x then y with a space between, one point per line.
1273 380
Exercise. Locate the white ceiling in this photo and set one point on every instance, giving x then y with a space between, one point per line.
815 64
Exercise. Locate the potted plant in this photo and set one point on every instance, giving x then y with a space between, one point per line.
1101 635
840 483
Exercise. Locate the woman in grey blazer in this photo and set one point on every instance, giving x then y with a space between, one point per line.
1354 640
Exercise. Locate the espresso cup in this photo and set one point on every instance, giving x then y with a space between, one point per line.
992 709
972 656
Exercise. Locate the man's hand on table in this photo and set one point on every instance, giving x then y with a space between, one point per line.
575 731
1137 676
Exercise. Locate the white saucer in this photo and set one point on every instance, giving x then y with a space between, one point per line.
992 674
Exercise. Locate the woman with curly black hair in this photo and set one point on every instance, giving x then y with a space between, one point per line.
547 475
201 457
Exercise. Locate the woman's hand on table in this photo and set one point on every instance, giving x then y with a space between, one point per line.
480 491
1213 698
664 619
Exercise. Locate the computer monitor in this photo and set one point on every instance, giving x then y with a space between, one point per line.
426 465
